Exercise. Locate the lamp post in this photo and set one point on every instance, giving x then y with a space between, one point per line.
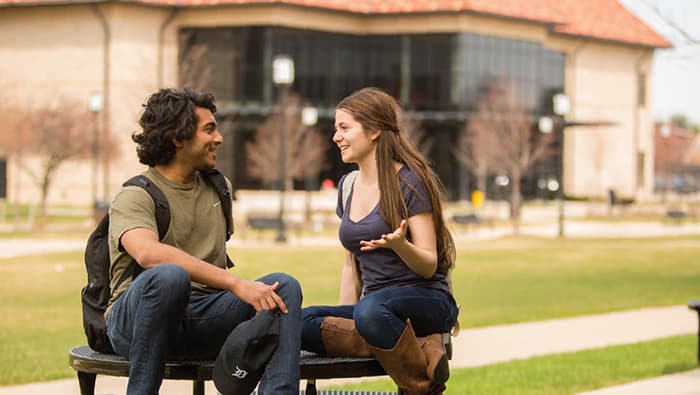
665 158
95 107
309 118
282 76
561 105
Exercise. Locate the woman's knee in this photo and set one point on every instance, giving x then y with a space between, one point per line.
370 319
311 313
377 323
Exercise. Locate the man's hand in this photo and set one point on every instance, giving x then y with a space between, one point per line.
391 240
260 295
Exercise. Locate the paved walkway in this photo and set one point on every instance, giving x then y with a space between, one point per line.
572 228
19 247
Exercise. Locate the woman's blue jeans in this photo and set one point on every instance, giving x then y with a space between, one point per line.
158 318
380 317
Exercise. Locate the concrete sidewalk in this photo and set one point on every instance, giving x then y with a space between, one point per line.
572 228
482 346
19 247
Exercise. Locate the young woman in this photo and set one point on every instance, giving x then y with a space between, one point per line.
397 246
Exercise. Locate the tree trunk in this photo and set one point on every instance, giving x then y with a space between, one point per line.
45 185
481 179
515 201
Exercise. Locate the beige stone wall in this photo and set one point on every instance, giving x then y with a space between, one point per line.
47 50
50 52
602 83
133 76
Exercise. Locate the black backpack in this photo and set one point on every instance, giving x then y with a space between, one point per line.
96 294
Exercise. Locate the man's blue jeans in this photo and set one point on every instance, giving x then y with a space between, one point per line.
158 318
380 317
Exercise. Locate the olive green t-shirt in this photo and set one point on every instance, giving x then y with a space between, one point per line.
197 224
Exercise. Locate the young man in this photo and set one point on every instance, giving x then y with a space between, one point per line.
185 303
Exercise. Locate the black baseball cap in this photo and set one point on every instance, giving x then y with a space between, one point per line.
244 356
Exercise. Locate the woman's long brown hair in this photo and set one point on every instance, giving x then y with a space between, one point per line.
376 110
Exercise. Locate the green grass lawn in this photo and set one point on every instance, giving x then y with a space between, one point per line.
524 279
496 282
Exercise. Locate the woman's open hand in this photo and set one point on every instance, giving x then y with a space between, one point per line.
389 240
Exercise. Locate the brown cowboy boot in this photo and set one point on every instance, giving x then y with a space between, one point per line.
438 365
407 365
340 338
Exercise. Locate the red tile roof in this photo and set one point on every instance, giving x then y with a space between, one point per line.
606 20
599 19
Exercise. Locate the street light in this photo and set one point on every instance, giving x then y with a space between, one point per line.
665 158
309 118
282 76
561 106
95 107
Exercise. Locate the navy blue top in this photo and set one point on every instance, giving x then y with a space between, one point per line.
383 268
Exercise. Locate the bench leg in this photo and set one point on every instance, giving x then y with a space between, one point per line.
311 387
698 311
86 381
198 387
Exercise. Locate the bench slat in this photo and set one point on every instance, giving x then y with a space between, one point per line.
312 366
89 363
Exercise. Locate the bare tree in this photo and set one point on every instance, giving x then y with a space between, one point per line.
415 133
195 72
305 147
473 148
686 37
53 133
500 136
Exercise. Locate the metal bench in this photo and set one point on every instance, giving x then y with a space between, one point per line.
695 305
677 215
261 223
264 223
89 363
466 219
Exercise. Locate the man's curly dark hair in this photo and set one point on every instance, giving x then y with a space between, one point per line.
168 114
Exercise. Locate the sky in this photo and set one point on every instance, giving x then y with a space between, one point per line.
675 79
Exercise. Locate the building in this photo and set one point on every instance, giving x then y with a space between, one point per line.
434 56
677 159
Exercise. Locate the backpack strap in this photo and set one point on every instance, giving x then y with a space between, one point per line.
346 187
159 199
162 219
218 181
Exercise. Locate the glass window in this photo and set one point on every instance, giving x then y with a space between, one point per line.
439 76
